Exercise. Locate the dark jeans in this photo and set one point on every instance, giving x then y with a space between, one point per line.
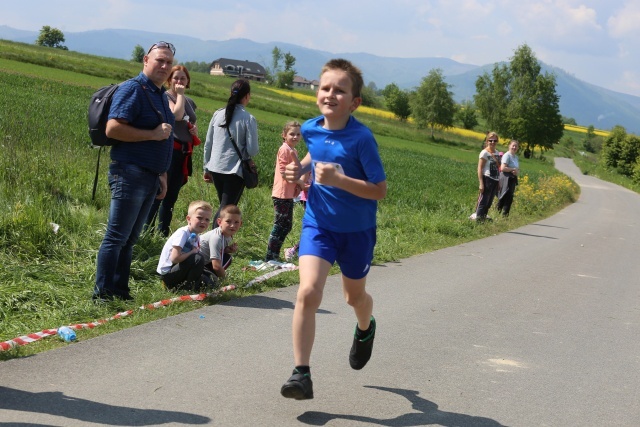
486 198
163 209
133 190
229 188
186 275
226 262
282 224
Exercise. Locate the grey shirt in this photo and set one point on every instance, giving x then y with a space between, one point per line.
212 244
219 154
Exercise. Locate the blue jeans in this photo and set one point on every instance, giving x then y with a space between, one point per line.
133 190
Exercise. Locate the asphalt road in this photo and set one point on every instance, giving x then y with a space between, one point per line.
539 326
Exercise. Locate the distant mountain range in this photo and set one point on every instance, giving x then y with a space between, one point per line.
586 103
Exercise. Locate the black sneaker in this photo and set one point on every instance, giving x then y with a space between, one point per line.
299 386
361 349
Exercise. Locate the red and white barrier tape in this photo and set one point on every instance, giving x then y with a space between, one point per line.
269 275
26 339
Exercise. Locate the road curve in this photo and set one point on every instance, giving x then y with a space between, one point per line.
539 326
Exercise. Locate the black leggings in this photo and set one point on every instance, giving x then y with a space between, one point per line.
163 209
486 198
229 188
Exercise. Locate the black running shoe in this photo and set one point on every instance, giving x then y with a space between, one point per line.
361 349
299 386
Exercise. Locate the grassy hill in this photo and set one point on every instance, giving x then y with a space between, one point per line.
50 229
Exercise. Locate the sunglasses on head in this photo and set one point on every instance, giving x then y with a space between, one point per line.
162 45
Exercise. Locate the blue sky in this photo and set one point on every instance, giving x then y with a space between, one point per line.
595 40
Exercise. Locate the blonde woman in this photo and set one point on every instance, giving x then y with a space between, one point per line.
185 137
488 175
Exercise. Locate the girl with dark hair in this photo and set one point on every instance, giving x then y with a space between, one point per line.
222 166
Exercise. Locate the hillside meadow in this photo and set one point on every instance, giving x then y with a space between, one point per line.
51 229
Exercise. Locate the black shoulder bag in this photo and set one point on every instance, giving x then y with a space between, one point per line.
249 169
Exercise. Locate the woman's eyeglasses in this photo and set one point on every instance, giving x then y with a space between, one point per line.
162 45
492 140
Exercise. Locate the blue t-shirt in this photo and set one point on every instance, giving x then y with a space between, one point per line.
354 152
131 104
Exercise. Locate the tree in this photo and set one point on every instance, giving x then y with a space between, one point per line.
198 67
432 104
397 101
51 37
370 97
272 71
519 102
592 143
284 78
491 98
138 54
278 76
467 115
621 151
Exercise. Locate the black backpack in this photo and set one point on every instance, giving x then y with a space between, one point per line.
98 115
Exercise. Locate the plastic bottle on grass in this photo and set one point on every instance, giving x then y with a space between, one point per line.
66 333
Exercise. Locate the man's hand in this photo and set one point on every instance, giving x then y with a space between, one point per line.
163 187
162 132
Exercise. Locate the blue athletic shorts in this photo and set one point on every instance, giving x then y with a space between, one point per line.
352 251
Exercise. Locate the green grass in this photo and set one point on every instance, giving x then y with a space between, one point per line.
46 176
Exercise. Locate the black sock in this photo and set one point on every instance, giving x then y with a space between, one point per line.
363 334
303 370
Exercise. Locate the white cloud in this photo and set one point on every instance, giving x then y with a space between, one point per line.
625 22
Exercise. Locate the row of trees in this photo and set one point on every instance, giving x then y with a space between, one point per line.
515 100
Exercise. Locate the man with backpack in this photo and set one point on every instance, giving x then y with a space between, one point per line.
141 122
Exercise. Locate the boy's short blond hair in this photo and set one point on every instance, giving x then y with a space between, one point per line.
199 204
354 73
229 210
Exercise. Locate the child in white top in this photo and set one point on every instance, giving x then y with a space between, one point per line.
181 264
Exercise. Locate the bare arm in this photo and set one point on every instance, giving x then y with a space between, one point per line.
328 175
122 131
216 264
177 256
177 108
481 163
297 168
